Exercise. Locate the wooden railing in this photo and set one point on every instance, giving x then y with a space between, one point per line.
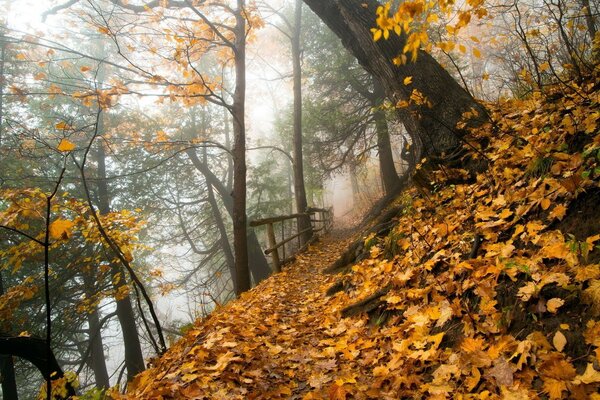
321 221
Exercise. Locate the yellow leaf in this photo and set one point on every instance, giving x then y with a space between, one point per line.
39 76
545 203
161 136
476 53
432 18
559 341
554 388
505 213
377 34
20 57
103 29
462 48
62 126
554 304
558 212
66 145
408 80
61 229
589 376
85 68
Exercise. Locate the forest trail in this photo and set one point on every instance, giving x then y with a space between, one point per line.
274 342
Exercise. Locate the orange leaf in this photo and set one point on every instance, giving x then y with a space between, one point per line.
337 392
61 228
66 145
545 203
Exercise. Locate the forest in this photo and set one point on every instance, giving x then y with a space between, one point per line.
299 199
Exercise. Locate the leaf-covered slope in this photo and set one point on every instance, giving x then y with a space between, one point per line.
486 288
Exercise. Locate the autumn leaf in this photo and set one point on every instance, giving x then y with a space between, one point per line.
554 388
62 126
559 341
61 229
65 145
591 375
337 392
545 203
554 304
408 80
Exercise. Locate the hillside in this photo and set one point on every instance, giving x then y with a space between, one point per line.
485 287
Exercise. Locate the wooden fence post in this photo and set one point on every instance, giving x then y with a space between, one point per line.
273 244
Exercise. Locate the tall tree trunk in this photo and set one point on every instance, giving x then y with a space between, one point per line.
7 366
389 175
590 20
223 240
240 241
299 188
432 129
134 359
2 79
259 267
96 359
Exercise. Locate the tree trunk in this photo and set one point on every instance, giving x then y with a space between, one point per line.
134 359
96 359
2 79
240 241
590 20
389 175
299 188
432 129
259 267
7 366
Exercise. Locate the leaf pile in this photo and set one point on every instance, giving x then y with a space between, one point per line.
485 288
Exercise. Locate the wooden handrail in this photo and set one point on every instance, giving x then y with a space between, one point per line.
326 218
264 221
278 245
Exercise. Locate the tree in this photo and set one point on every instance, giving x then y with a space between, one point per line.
346 108
432 128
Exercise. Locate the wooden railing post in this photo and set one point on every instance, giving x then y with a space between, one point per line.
273 245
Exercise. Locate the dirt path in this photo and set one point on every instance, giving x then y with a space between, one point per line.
267 344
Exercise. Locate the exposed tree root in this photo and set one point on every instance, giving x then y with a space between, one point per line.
367 304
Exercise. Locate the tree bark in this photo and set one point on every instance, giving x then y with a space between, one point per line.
389 175
433 129
35 351
240 241
299 187
2 79
590 20
259 267
96 359
7 366
134 359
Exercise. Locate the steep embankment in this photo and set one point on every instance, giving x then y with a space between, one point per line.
484 288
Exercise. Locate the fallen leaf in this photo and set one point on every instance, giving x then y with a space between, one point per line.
559 341
554 304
